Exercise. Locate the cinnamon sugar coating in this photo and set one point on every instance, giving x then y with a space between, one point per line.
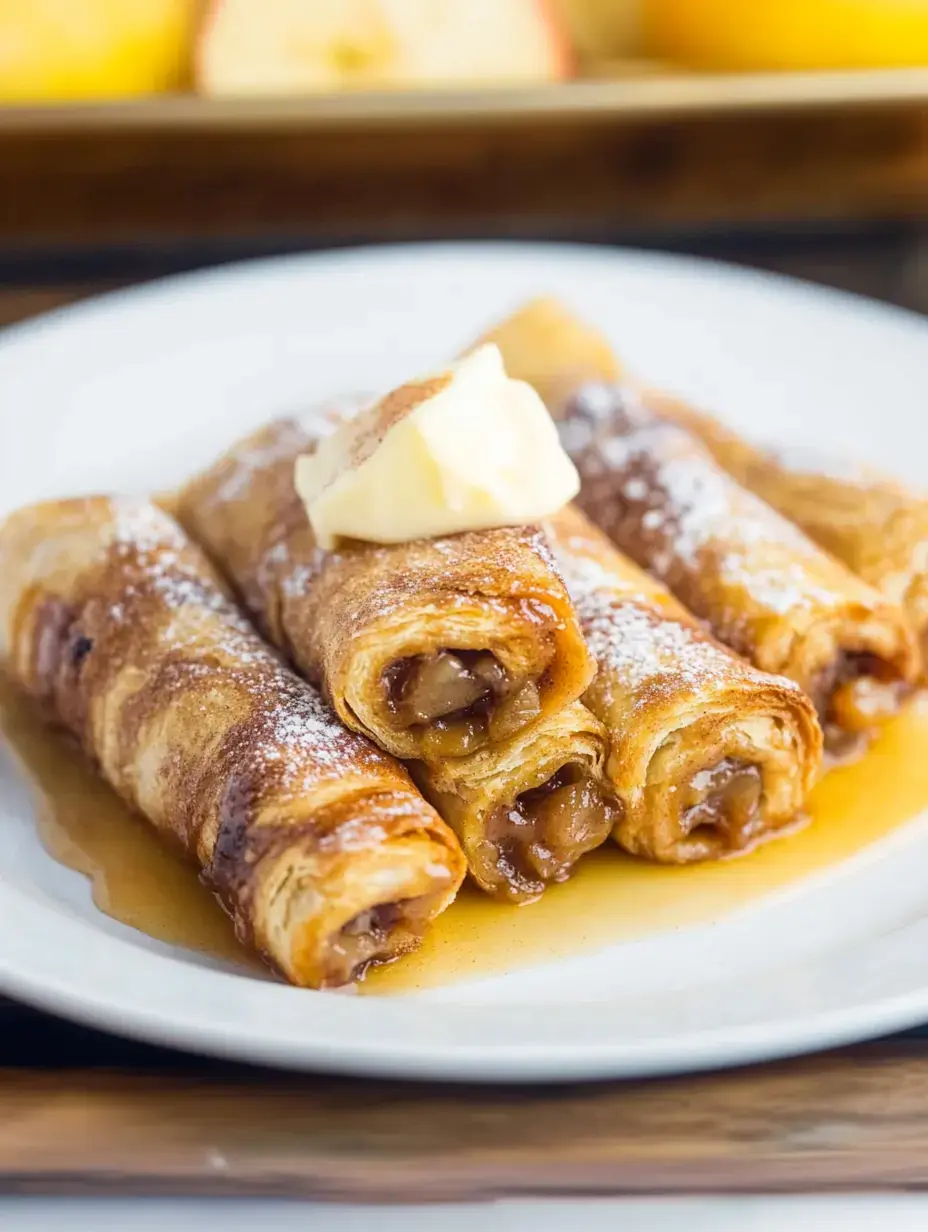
872 523
759 584
119 628
678 706
346 618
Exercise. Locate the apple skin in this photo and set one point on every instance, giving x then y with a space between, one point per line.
601 30
320 46
563 51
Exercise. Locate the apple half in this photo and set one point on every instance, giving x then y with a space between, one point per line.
317 46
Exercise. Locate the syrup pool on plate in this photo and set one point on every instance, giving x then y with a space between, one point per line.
612 897
83 824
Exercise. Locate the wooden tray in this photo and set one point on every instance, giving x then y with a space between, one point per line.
635 88
641 151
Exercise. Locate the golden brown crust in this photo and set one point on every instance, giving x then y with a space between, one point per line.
468 791
869 521
759 583
544 344
116 624
347 617
877 530
677 705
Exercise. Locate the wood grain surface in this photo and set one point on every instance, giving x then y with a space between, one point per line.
567 176
852 1120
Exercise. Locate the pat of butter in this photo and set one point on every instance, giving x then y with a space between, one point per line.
466 449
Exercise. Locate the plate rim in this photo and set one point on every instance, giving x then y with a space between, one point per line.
140 295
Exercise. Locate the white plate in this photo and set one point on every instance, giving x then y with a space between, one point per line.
139 388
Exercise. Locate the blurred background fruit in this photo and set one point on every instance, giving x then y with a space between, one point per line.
600 30
299 46
736 35
84 49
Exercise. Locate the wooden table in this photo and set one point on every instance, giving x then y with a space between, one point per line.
641 152
855 1120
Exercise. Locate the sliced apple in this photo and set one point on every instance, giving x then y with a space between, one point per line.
309 46
447 42
600 30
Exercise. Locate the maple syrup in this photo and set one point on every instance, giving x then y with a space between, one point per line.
611 897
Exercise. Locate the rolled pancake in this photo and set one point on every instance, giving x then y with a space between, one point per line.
347 619
551 348
433 649
761 585
315 842
707 755
871 522
527 810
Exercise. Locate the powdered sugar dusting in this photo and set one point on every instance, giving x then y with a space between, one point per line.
167 587
322 418
267 448
295 730
143 527
631 640
283 440
541 545
158 560
660 494
639 649
816 462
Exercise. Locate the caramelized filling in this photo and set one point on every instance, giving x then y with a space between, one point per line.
854 696
376 935
542 834
459 699
723 802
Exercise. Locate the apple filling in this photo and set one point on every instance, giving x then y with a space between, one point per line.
721 805
457 700
376 935
853 696
540 836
